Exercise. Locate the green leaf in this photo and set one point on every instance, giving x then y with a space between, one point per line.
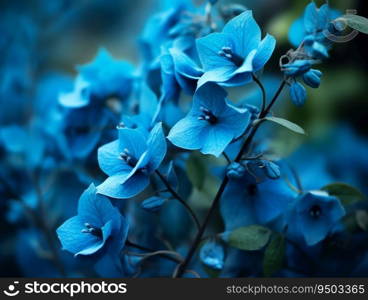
356 22
251 238
196 170
287 124
346 193
273 258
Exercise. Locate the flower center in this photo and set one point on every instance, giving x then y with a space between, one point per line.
315 211
228 53
92 230
128 158
207 115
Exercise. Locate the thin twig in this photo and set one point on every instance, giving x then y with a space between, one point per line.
179 198
226 157
264 97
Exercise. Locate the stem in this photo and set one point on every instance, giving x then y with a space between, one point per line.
256 80
198 237
223 185
226 157
163 253
268 108
179 198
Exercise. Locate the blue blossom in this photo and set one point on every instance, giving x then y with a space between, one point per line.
177 25
246 201
81 130
314 215
103 78
231 56
212 123
98 227
311 28
130 160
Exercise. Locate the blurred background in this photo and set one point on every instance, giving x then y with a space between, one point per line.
39 39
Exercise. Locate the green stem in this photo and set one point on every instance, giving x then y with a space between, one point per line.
223 185
179 198
264 97
149 250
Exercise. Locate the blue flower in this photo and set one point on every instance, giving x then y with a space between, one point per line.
230 57
246 202
311 28
129 161
98 227
314 215
212 123
178 25
103 78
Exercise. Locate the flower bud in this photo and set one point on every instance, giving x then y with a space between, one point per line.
297 67
153 204
313 78
298 93
272 170
235 170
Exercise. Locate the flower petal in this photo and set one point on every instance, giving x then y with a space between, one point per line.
188 133
132 140
209 48
216 140
297 32
235 120
210 96
264 52
245 32
120 187
247 65
184 65
74 240
96 209
238 80
218 75
109 159
106 233
311 18
156 147
316 230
